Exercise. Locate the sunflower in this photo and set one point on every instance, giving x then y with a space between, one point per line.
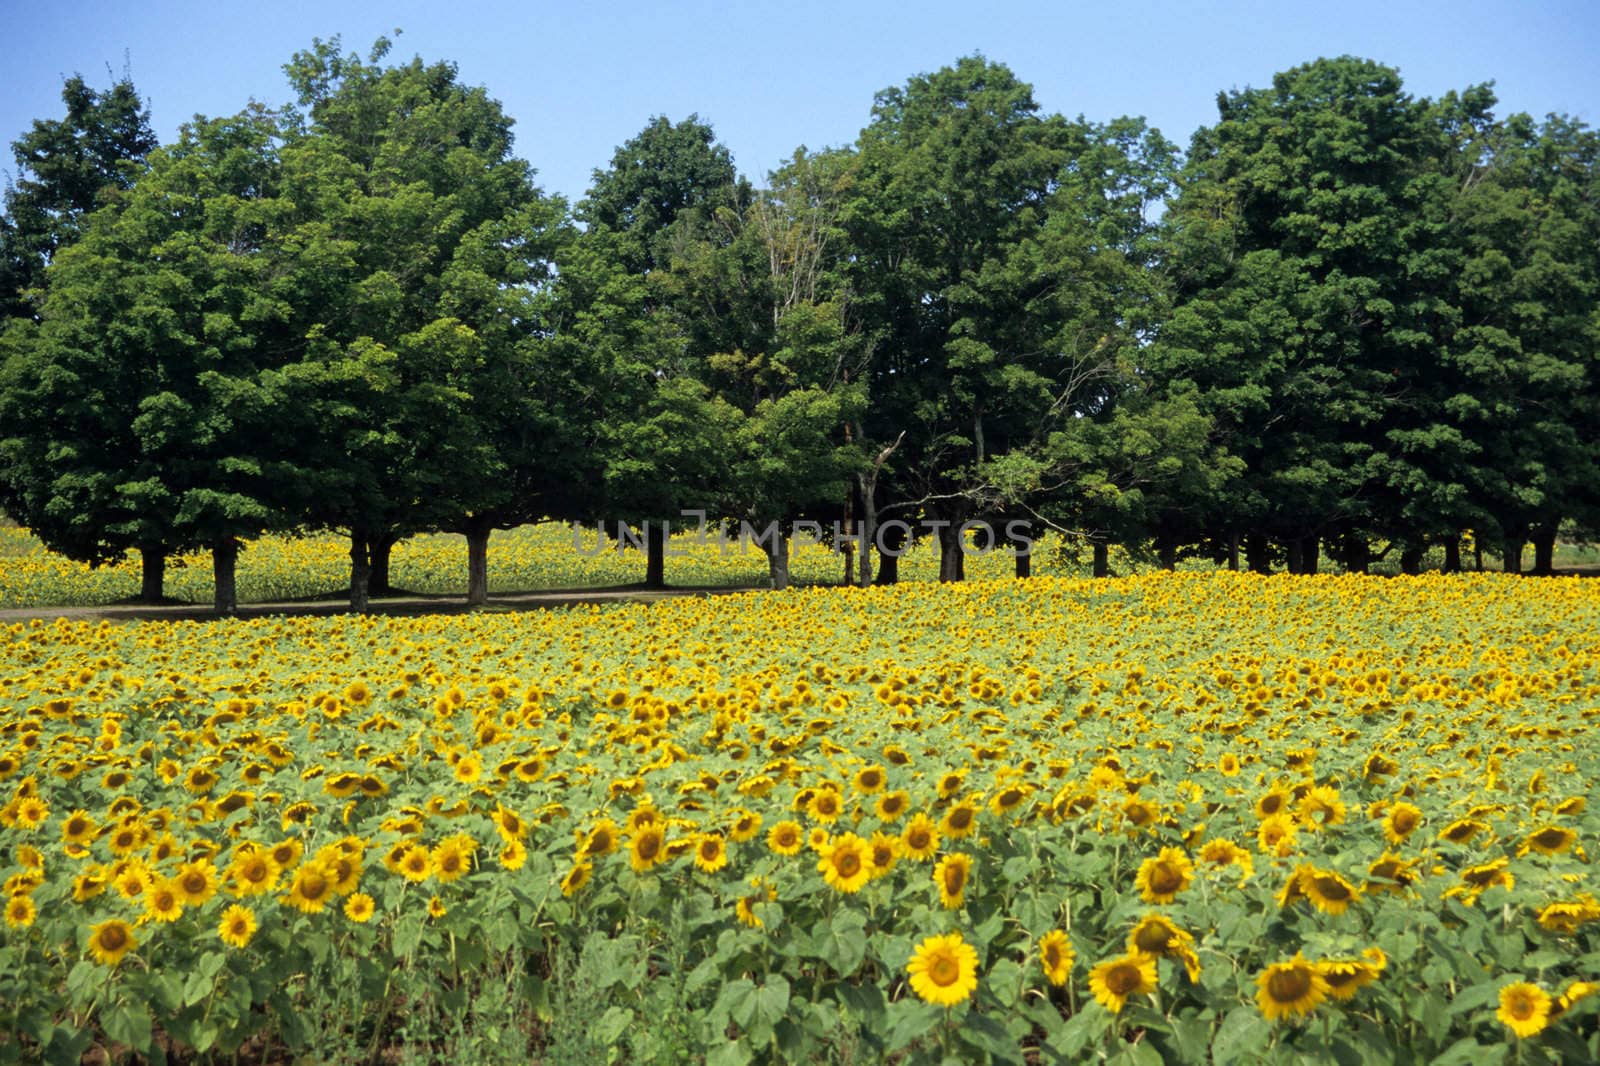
959 821
744 906
452 858
825 806
163 901
1160 879
884 852
1345 977
508 823
601 839
1327 890
647 847
196 882
846 863
1524 1008
1574 992
1549 840
576 878
1159 937
414 863
1273 802
870 779
1401 820
513 854
1114 980
1394 874
1220 853
110 940
1321 807
1056 956
311 889
786 838
892 805
920 840
1462 830
436 908
20 911
1290 989
1276 835
950 874
77 828
359 907
710 852
746 824
944 970
1566 916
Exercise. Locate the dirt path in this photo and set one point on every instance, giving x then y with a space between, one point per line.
404 605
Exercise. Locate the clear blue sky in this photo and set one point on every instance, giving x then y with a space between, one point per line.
580 78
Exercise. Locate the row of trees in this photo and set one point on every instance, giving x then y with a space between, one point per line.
1347 320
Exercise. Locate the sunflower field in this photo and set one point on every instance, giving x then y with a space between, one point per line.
1159 819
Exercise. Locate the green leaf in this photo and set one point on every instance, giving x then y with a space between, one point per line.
129 1024
842 943
196 988
1243 1032
732 1053
612 1024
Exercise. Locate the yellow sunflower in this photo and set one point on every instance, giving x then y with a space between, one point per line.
920 840
1056 956
944 970
1160 879
20 911
1114 980
710 852
1328 890
786 838
647 847
359 907
163 902
950 874
311 889
1524 1008
576 878
846 863
1347 976
1549 840
110 940
1290 989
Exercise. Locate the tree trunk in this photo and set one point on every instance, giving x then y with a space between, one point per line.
1296 552
1233 551
1258 553
1544 550
1311 555
152 573
478 532
952 554
1167 551
1511 554
846 546
224 564
1411 560
777 548
378 550
1477 551
1452 554
360 572
894 542
1024 550
1358 557
869 529
1102 559
655 546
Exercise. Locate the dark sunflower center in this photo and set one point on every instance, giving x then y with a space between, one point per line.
1122 980
112 938
648 846
945 971
961 817
955 878
1152 938
917 839
1289 986
1332 888
847 862
1165 878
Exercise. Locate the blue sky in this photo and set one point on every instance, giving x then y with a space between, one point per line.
580 78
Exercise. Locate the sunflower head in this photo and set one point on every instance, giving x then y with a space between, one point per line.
944 970
1524 1008
1290 989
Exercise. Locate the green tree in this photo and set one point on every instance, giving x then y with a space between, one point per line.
66 168
658 431
148 409
1296 321
409 208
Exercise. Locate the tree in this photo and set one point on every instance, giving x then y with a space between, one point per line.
65 169
658 430
155 363
410 213
1296 319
